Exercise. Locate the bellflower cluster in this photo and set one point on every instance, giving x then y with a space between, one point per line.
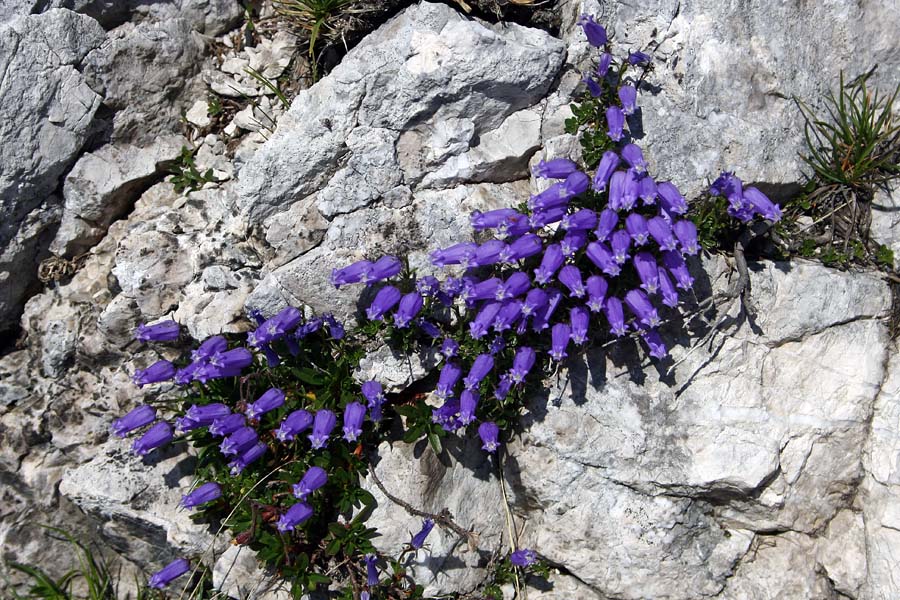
744 203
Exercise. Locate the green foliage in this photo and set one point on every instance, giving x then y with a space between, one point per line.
214 106
858 144
185 176
314 16
272 86
715 227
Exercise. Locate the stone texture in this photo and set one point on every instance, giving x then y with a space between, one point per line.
885 226
46 109
237 573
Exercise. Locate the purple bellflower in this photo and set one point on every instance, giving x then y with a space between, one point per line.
384 268
636 226
238 441
481 324
418 540
596 289
135 419
655 344
579 319
458 254
527 245
409 307
557 168
560 336
164 331
762 205
468 403
161 370
481 366
606 224
581 219
450 348
550 263
169 573
354 413
542 218
542 318
609 162
522 364
269 401
603 64
158 435
358 272
615 120
294 516
620 242
523 558
205 493
534 301
639 304
323 423
593 86
617 190
634 157
573 242
647 270
648 191
570 277
594 32
492 218
489 434
247 457
488 253
515 285
374 395
661 232
638 58
384 301
227 425
371 570
209 347
600 254
294 424
447 380
677 267
686 232
671 199
628 98
615 316
667 287
508 315
312 480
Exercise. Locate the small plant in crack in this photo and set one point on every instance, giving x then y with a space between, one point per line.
186 176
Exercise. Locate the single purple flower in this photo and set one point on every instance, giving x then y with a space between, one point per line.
275 328
596 290
310 327
600 254
371 570
550 263
522 364
312 480
647 270
484 320
206 414
535 299
164 331
648 191
579 318
489 434
606 224
384 268
269 401
542 218
489 253
135 419
409 307
503 387
246 458
238 441
513 226
373 392
628 98
542 318
228 424
323 423
189 373
523 558
570 277
507 316
354 413
655 344
634 157
615 120
161 370
481 366
449 348
638 58
446 415
615 316
515 285
358 272
486 290
670 198
294 424
686 232
560 336
428 286
581 219
762 205
294 516
385 299
620 242
527 245
158 435
594 32
631 190
169 573
450 374
593 86
609 162
229 363
636 226
209 347
458 254
661 231
492 218
573 242
418 540
335 329
557 168
603 64
639 304
617 190
468 403
555 196
676 265
205 493
667 287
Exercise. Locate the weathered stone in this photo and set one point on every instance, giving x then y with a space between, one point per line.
46 110
842 553
212 17
395 371
237 573
885 226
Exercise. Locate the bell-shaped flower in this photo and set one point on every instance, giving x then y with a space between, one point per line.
457 254
647 270
428 286
631 189
450 348
354 414
661 232
164 331
593 86
762 205
373 393
492 218
557 168
312 480
447 415
579 318
210 346
603 64
372 578
617 190
503 387
515 285
205 493
481 366
603 258
514 226
638 58
384 268
135 419
408 309
535 299
293 425
238 441
628 98
484 290
542 218
648 191
358 272
158 435
609 162
228 364
542 317
323 424
620 242
595 33
570 277
509 314
573 241
671 199
580 219
527 245
418 540
169 573
386 298
269 401
294 516
490 436
468 404
161 370
551 261
606 224
596 290
686 232
554 196
615 120
227 425
634 157
488 253
639 304
523 558
667 288
655 344
447 380
559 340
615 316
636 226
484 320
678 268
522 364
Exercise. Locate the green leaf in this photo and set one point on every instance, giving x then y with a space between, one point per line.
435 442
